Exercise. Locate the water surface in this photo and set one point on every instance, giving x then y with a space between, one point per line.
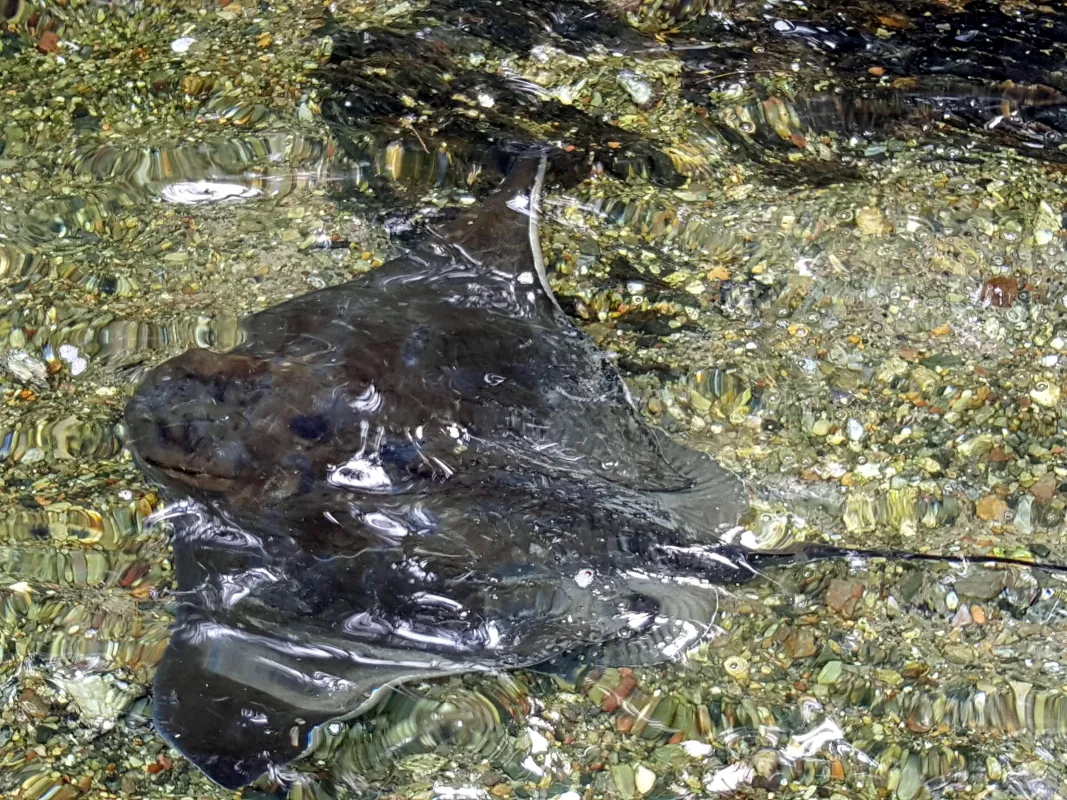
825 243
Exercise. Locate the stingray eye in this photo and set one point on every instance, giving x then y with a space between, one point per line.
310 426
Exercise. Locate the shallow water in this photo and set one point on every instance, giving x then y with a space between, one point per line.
833 257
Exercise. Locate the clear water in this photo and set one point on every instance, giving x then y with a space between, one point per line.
826 246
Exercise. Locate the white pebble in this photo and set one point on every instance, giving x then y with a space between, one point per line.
644 779
183 44
855 429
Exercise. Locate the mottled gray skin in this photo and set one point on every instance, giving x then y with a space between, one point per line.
425 471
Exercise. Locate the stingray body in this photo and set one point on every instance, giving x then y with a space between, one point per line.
425 471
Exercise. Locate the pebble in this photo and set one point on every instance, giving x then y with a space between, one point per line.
952 601
981 584
990 508
999 292
765 762
993 769
856 431
959 653
49 42
613 699
638 88
1044 488
699 402
26 368
625 782
32 456
644 779
871 222
911 781
801 644
890 676
182 45
830 673
1045 394
843 596
1022 521
736 667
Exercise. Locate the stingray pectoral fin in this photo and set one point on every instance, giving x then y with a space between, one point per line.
230 734
670 620
715 498
238 704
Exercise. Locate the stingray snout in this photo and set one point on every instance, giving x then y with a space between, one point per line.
190 417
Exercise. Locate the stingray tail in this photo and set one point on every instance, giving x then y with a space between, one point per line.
734 564
517 204
763 559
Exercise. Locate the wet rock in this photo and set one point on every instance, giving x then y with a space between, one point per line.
872 222
1044 488
993 769
962 617
844 596
636 86
830 673
892 677
1045 394
1047 224
625 781
26 369
999 292
1022 521
801 644
765 763
981 584
49 42
736 667
959 653
892 369
911 779
990 508
856 431
33 705
101 698
976 446
644 779
925 379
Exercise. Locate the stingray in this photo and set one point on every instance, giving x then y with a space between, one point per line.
426 471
